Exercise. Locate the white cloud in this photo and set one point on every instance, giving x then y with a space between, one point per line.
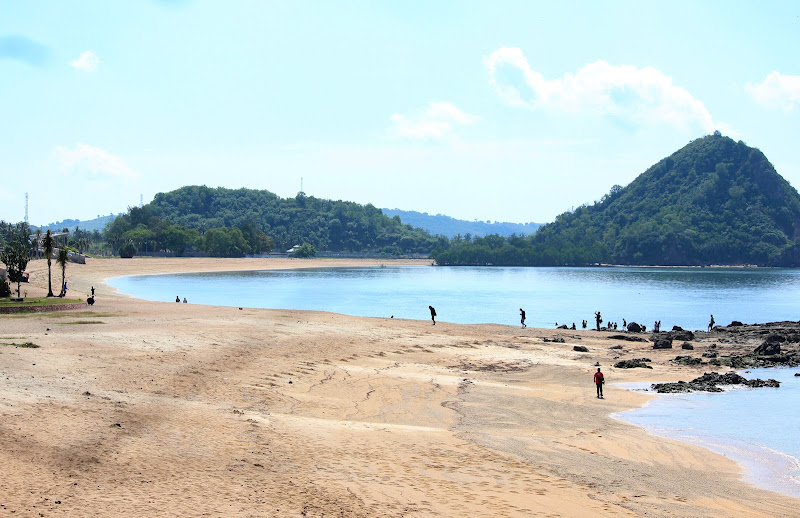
776 91
87 62
93 162
639 95
436 122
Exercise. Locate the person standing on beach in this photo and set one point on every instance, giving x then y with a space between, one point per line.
522 317
711 323
433 314
92 291
598 381
598 318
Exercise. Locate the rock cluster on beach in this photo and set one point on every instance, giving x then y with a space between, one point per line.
710 382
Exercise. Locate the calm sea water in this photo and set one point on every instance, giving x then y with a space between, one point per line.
676 296
759 428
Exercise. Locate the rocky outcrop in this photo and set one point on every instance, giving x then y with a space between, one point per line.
580 348
662 342
687 360
711 381
687 346
629 338
633 363
633 327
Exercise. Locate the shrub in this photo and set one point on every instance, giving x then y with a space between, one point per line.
127 250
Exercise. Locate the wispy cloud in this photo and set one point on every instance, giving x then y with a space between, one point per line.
637 95
776 91
23 49
435 122
93 163
87 62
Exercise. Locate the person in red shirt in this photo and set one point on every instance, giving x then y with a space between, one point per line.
598 381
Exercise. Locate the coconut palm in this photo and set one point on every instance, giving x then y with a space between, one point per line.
48 243
61 259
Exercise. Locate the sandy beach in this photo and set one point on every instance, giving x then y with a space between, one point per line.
135 408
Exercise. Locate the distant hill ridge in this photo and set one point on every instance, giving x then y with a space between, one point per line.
442 225
98 223
715 201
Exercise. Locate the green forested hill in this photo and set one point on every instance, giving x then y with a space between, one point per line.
233 222
715 201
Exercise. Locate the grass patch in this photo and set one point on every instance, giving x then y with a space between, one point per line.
81 322
24 345
37 301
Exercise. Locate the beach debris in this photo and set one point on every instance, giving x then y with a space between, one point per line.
687 345
557 339
580 348
711 381
633 363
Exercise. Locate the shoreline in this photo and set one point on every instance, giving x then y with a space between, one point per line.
184 409
764 466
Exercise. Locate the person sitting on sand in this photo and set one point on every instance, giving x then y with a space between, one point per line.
433 314
177 298
184 300
598 381
522 317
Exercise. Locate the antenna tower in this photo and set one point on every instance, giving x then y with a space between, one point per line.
141 200
26 207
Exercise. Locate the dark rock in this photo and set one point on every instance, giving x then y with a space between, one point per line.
709 354
687 345
563 326
615 347
633 363
797 373
735 323
709 382
662 343
681 334
677 328
580 349
712 346
768 348
556 339
687 360
629 338
633 327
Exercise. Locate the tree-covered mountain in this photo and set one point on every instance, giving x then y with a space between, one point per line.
442 225
98 223
234 222
715 201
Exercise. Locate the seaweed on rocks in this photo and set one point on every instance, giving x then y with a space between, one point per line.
711 381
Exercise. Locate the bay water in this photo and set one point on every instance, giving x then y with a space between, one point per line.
757 427
476 295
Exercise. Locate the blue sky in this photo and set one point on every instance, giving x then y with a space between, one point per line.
501 111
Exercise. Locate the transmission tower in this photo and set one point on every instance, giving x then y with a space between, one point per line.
26 207
141 200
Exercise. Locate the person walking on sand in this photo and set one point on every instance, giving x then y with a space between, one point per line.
522 317
92 291
598 381
433 314
711 323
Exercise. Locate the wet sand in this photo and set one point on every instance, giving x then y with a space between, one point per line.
138 408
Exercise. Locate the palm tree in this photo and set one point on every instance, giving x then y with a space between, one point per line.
48 243
61 259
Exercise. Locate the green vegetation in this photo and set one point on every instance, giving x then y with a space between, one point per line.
234 222
37 301
24 345
14 255
715 201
